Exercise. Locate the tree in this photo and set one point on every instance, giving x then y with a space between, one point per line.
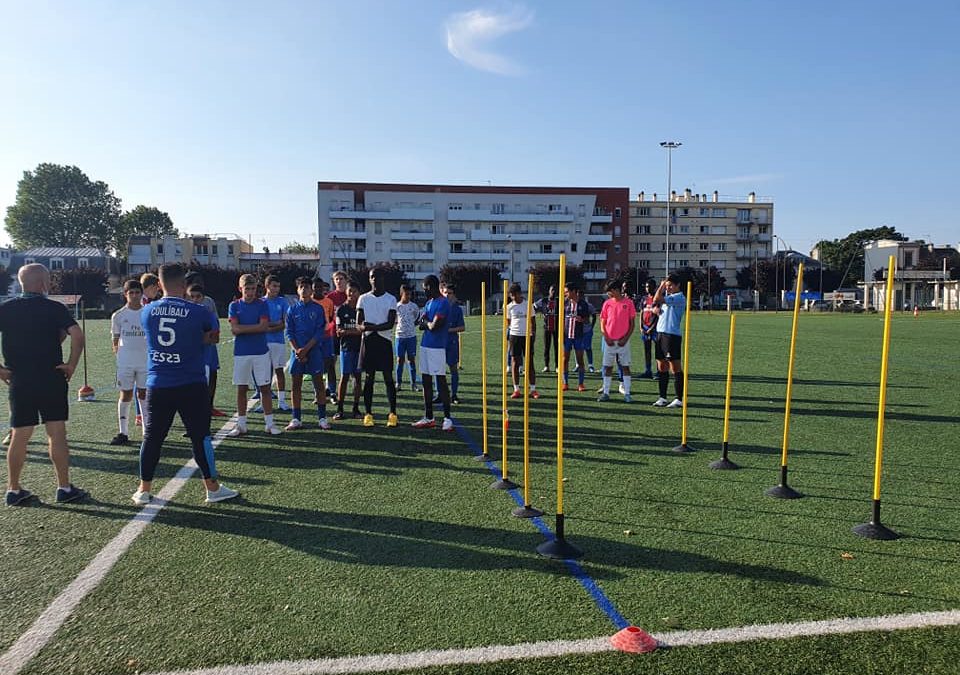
5 280
705 284
846 255
89 283
60 206
468 277
297 247
773 276
635 278
546 275
147 221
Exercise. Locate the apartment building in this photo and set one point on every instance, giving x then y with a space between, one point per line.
148 253
722 232
424 227
922 276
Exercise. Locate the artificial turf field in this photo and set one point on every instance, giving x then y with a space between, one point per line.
368 541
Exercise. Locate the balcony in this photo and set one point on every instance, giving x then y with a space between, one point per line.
594 275
348 230
411 235
551 257
456 236
479 256
396 213
486 215
606 236
594 256
601 216
411 255
486 235
337 254
765 237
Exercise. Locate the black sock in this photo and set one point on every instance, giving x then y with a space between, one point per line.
391 390
663 377
428 396
368 394
678 384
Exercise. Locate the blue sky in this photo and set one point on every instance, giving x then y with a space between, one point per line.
225 114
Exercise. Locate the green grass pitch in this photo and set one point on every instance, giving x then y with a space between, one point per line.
364 541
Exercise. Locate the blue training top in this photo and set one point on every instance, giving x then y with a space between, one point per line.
454 320
305 321
175 330
249 314
276 310
671 314
436 339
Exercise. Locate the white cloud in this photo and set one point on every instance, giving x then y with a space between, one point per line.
737 180
469 35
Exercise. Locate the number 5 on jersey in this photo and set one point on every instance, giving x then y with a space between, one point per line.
166 335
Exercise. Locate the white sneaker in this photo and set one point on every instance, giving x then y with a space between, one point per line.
237 431
141 498
273 431
621 389
675 403
294 425
324 424
660 403
591 369
447 424
546 369
221 495
284 407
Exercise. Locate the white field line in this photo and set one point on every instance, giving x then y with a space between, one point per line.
55 615
538 650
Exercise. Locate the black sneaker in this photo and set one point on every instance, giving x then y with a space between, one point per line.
356 414
119 439
338 415
71 494
437 401
18 497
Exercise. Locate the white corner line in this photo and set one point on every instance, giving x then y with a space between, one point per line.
537 650
57 612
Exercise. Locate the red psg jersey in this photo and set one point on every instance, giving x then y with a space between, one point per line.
648 315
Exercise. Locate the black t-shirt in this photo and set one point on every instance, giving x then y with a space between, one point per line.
347 320
32 328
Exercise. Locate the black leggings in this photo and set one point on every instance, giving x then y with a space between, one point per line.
192 401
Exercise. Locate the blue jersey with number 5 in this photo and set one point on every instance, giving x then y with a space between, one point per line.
175 330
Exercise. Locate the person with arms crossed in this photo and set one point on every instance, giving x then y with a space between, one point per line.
305 331
349 336
673 304
576 315
177 330
408 317
433 354
250 323
617 318
33 327
376 317
649 314
130 348
517 318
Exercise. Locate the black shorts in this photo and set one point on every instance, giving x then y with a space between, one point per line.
667 347
518 345
376 354
190 401
336 346
36 399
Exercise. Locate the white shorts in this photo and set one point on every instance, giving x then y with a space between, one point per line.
611 352
253 371
433 361
129 377
278 354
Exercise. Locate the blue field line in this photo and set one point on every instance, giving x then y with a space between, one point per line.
599 597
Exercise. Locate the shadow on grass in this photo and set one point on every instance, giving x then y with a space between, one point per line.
764 379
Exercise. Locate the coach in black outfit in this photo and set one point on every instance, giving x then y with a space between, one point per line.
33 328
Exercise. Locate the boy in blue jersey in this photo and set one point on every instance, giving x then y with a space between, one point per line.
211 358
433 354
277 307
350 336
177 332
250 323
673 304
455 326
576 315
305 331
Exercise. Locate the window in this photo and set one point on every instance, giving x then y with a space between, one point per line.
616 212
360 246
159 249
82 263
743 215
28 261
673 229
718 229
645 229
684 212
704 246
498 208
616 230
763 229
683 263
378 227
643 211
428 248
704 213
703 263
496 229
378 246
456 207
573 247
643 263
616 248
704 229
456 247
214 250
721 246
229 249
719 213
743 232
56 263
201 249
643 246
684 246
684 229
907 259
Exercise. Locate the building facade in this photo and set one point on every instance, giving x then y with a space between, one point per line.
59 258
255 262
424 227
148 253
705 231
922 276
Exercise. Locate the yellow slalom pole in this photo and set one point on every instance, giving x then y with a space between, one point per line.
875 529
783 491
527 511
683 447
504 483
724 462
483 368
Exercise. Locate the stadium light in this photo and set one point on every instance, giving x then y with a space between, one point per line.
670 147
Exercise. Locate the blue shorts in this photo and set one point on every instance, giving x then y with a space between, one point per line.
574 344
325 347
313 365
651 337
406 348
453 354
349 362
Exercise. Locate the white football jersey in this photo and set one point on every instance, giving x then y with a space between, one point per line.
132 350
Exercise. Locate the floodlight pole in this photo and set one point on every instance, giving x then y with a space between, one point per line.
670 147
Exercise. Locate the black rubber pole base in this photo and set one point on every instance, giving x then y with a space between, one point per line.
559 550
875 531
527 512
481 458
503 484
783 492
683 449
724 465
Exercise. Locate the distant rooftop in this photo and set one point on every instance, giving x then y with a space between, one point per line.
61 252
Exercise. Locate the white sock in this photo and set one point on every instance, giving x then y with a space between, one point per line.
281 397
606 384
268 420
123 416
626 384
516 387
533 387
242 421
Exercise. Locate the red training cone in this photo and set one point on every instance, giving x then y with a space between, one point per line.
916 311
86 394
634 641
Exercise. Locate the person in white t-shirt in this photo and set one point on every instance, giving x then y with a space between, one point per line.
130 346
408 317
376 317
517 314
